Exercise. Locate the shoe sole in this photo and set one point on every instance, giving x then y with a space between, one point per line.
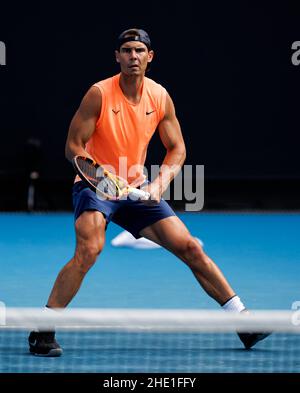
258 339
52 353
262 337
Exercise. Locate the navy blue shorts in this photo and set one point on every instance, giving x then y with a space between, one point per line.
130 215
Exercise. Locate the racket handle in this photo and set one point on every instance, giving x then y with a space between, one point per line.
139 194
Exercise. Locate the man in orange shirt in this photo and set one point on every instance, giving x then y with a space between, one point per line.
115 121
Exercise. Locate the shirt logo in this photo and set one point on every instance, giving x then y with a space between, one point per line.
149 113
116 112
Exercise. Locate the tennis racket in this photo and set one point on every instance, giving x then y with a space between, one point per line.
104 183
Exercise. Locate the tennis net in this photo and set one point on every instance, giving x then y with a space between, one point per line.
142 341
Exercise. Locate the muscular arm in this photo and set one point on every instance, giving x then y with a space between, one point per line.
83 124
171 137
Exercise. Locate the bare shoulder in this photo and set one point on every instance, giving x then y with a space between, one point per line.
91 102
170 108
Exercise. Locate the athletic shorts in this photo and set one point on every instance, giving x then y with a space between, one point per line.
133 216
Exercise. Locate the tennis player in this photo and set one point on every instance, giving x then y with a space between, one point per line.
114 124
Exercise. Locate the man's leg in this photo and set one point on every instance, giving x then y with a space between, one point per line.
172 234
90 235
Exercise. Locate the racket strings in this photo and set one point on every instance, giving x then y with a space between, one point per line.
110 187
99 178
89 171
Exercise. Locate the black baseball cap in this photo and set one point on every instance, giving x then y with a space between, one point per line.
134 35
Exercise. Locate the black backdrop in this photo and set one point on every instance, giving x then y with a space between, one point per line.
227 66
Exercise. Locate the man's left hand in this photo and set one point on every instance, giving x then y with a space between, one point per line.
155 194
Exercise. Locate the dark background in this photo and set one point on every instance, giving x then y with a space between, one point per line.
227 66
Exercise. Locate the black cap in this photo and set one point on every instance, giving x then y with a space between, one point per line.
134 35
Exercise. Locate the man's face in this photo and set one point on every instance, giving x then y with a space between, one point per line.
134 57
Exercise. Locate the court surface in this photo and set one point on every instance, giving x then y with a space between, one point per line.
258 253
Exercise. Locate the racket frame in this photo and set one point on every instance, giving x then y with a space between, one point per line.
121 192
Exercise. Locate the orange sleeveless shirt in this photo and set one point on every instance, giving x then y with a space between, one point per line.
123 130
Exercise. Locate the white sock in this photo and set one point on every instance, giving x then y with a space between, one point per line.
48 313
234 304
48 310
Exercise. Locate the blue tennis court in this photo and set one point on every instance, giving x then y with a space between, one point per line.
258 253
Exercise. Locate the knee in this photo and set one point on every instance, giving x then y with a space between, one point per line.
193 249
194 256
90 237
87 254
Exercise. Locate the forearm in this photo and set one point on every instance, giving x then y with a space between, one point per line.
73 149
170 167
